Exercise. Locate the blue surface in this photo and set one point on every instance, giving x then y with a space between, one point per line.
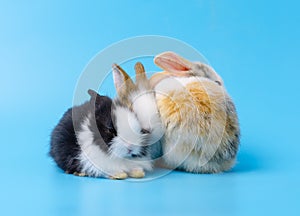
254 45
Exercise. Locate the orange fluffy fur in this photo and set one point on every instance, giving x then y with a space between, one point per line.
198 127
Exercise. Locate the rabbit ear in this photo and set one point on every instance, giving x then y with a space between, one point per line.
122 81
92 93
95 97
140 73
157 77
172 62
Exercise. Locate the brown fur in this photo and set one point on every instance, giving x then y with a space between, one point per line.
128 87
207 125
202 129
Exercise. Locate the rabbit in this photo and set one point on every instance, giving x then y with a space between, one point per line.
101 138
140 98
202 132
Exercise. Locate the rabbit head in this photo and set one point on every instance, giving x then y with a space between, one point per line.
139 98
175 65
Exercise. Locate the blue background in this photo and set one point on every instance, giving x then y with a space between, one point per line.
254 45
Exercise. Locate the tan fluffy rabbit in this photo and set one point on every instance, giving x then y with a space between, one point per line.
202 129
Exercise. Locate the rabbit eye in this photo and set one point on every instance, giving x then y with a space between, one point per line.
145 131
218 82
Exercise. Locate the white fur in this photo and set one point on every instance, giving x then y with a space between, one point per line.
166 85
173 83
128 126
186 80
144 106
119 148
97 163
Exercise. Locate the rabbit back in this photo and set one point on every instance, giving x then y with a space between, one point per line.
202 132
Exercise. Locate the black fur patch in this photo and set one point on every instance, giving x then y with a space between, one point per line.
64 146
102 125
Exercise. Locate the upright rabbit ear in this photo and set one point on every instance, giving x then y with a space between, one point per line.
95 97
173 63
140 73
122 81
92 93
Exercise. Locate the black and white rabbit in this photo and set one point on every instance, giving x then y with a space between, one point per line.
101 138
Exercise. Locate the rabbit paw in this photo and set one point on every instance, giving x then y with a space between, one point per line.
80 174
119 176
137 173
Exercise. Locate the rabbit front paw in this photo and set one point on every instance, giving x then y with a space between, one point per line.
119 176
137 173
